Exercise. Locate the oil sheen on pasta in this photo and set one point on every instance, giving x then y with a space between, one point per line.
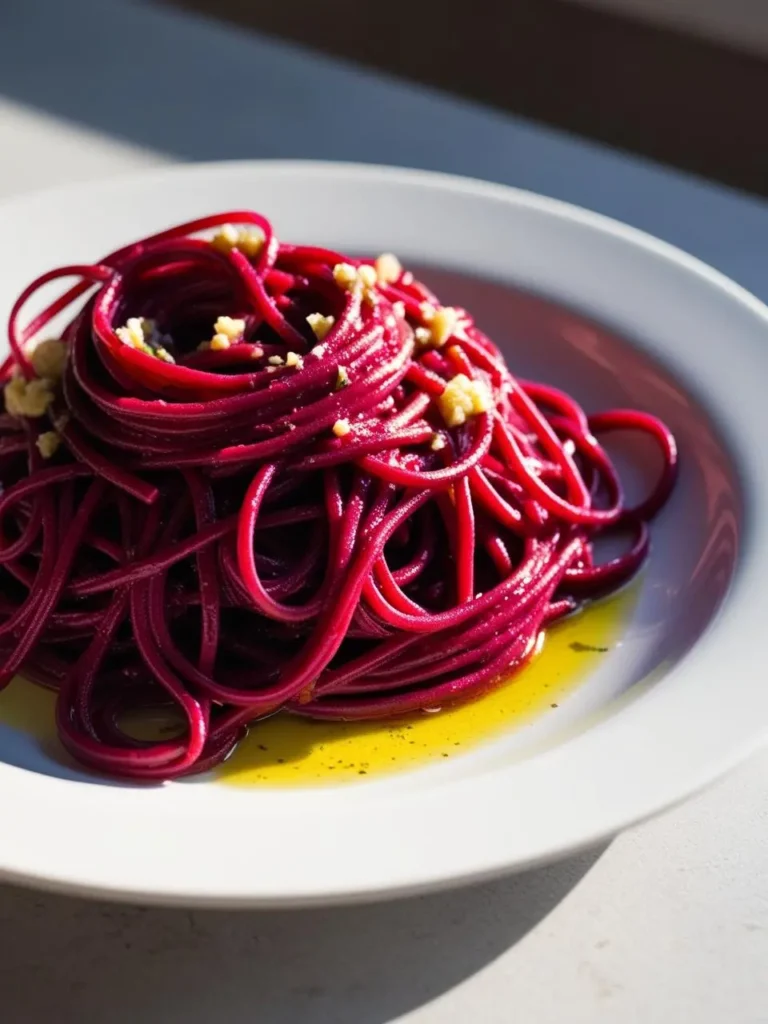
288 751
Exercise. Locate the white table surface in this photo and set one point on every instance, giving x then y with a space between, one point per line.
667 924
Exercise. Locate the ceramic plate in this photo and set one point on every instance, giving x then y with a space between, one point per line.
668 693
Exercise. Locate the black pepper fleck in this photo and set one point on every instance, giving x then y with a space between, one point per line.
581 648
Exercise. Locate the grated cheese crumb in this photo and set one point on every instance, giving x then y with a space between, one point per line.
320 324
275 360
232 329
388 268
294 359
423 336
427 312
28 397
48 358
219 342
398 308
48 443
257 352
438 442
249 241
342 378
341 428
164 355
463 398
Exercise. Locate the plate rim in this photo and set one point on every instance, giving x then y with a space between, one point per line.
70 881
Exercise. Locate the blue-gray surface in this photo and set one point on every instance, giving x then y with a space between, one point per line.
202 91
673 917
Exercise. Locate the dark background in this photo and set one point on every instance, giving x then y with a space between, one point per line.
694 102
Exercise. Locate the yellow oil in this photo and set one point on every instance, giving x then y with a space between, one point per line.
289 751
29 709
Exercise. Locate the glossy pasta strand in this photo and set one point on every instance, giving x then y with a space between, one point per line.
263 478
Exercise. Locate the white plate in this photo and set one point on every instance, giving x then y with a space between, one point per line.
676 704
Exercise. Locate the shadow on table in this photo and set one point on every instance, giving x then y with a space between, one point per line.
92 962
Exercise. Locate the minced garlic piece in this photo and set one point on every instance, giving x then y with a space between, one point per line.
232 329
438 443
342 378
367 275
249 241
341 428
48 443
275 360
463 398
135 332
219 342
443 324
28 397
257 352
138 332
352 279
345 275
48 358
388 268
320 324
294 359
225 238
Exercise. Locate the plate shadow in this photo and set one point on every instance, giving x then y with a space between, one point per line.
84 962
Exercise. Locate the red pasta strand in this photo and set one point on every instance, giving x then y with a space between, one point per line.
344 507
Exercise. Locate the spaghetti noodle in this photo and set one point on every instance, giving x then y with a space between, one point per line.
251 476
